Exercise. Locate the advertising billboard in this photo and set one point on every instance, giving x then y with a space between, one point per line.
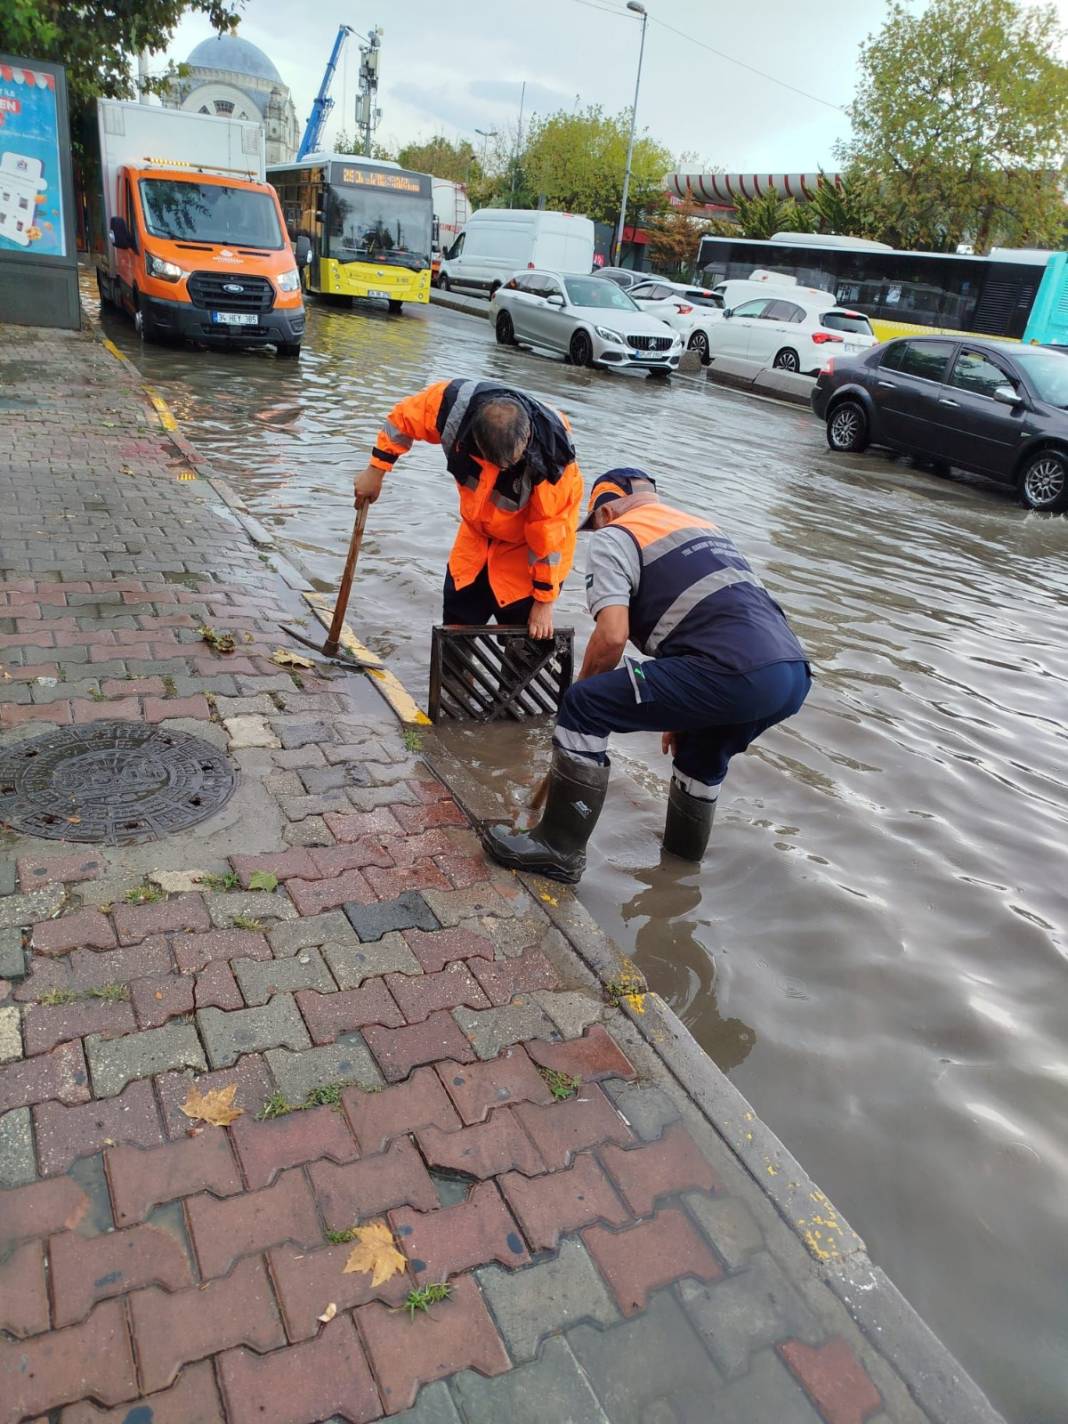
31 177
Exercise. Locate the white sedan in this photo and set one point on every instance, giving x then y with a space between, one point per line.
586 319
790 334
690 310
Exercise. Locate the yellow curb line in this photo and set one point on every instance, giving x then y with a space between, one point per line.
109 345
163 410
389 685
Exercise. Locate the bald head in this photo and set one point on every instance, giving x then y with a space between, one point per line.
501 430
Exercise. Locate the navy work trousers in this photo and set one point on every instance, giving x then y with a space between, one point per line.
474 605
716 713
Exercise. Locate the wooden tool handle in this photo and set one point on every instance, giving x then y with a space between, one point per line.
330 647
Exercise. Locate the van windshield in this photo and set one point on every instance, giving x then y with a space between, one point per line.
210 212
596 292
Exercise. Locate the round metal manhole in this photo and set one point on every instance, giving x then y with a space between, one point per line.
112 783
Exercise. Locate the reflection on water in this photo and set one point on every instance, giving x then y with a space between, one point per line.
876 948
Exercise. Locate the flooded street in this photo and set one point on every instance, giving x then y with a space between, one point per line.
876 949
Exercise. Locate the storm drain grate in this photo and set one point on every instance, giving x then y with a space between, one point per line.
491 673
112 783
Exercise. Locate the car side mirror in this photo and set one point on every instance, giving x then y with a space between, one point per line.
119 234
728 311
302 250
556 300
1007 395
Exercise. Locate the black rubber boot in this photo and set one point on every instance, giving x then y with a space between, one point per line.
556 846
689 823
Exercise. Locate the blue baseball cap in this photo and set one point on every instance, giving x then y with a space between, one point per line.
615 484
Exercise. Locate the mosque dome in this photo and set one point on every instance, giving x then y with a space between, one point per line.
235 55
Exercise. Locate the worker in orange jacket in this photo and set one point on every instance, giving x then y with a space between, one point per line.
520 495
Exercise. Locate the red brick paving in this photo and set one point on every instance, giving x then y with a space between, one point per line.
142 1180
60 1074
83 929
351 1193
328 1015
45 1025
181 912
663 1168
85 1270
420 994
834 1379
35 870
266 1148
562 1129
457 1238
502 979
64 1134
39 1209
24 1291
420 1102
311 897
324 1377
93 1358
434 949
238 1225
484 1150
398 1050
193 1400
553 1205
642 1258
308 1281
594 1056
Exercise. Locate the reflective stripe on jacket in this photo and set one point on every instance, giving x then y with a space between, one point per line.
697 594
520 522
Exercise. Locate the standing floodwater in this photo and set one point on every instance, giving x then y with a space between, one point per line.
876 947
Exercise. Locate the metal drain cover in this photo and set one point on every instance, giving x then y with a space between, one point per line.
112 783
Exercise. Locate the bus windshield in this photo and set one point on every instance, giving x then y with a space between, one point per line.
210 212
378 225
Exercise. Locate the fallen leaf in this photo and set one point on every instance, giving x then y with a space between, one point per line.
75 820
328 1314
285 658
216 1106
263 880
375 1252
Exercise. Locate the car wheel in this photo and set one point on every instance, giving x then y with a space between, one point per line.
581 349
658 375
394 305
847 428
143 323
787 360
104 289
699 343
1044 482
505 330
444 285
288 349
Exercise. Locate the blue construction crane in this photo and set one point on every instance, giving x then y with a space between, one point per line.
313 131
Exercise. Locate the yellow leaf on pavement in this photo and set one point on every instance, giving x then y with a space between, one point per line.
216 1106
375 1252
285 658
328 1314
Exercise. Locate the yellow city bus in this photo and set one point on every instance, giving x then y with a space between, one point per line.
368 225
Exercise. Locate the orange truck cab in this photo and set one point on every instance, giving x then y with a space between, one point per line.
196 246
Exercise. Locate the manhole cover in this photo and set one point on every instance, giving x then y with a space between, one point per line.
112 783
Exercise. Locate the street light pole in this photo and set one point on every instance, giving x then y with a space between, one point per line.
638 9
485 135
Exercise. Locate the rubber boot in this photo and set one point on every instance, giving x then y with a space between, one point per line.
556 846
689 823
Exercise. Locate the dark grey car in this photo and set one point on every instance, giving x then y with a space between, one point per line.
1000 410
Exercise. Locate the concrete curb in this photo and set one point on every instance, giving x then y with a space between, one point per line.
935 1379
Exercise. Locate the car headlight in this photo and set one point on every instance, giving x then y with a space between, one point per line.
289 281
165 271
607 334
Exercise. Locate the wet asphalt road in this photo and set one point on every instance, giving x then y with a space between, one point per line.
876 947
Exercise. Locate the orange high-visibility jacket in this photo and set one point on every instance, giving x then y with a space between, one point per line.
522 522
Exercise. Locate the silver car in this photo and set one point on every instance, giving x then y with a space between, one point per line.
586 319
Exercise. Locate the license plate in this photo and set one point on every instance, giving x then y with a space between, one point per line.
851 348
235 318
378 294
645 355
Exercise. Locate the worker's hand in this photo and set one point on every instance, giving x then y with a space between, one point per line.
669 743
540 622
367 486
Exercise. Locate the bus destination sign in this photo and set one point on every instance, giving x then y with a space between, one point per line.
380 178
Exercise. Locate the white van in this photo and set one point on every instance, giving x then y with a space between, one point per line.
497 242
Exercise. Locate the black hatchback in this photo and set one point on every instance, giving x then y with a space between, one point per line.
988 406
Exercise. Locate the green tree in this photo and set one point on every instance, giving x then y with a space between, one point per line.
958 125
576 161
675 236
99 40
441 158
763 217
844 208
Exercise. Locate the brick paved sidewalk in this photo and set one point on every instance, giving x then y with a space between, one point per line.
410 1037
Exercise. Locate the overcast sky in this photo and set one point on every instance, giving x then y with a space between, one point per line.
454 68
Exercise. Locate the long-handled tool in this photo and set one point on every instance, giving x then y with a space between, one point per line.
330 648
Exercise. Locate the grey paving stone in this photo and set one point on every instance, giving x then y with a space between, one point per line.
550 1388
222 685
728 1223
228 1035
300 807
250 731
312 832
10 1033
299 758
311 932
768 1392
747 1312
353 962
490 1030
114 1062
299 733
317 780
347 1061
250 686
432 1407
370 798
651 1368
7 877
547 1298
571 1010
252 904
261 704
260 979
409 911
29 909
647 1108
12 955
17 1164
284 783
454 906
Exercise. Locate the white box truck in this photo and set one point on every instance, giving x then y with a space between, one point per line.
195 246
451 211
495 243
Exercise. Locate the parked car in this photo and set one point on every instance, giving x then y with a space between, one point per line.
622 276
790 333
736 290
495 242
688 309
588 320
998 409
